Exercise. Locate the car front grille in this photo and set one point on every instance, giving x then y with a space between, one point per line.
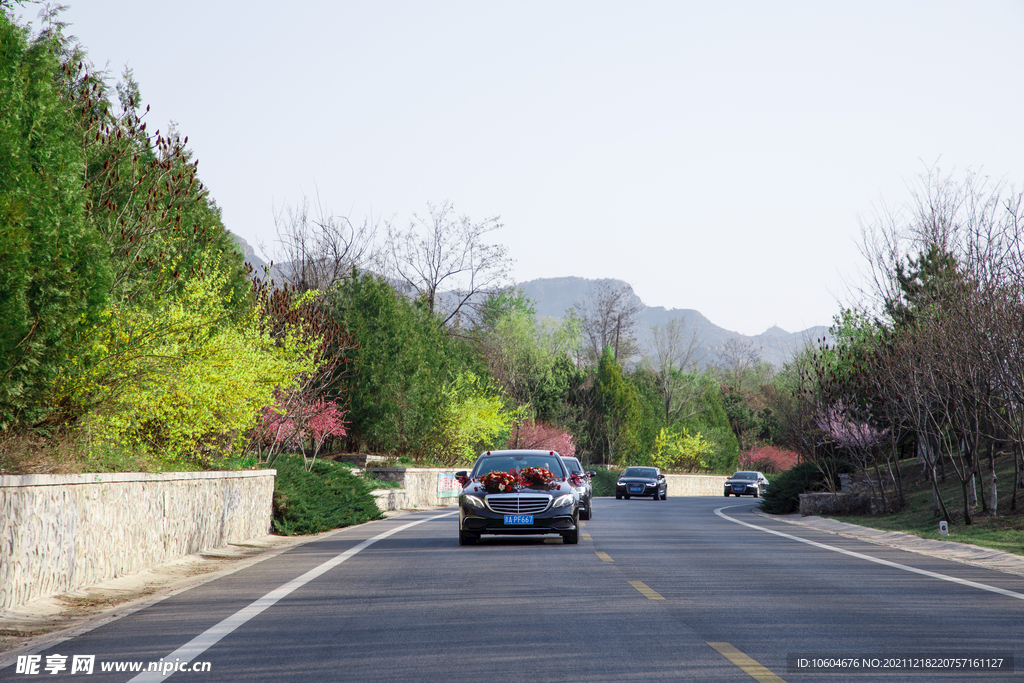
518 504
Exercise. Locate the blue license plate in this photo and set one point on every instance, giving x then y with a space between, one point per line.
518 519
636 489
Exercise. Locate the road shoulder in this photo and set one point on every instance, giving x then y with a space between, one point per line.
949 550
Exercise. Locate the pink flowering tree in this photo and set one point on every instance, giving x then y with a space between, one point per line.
843 430
542 436
298 422
862 442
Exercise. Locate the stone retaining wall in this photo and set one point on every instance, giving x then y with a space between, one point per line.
695 484
845 503
59 533
420 486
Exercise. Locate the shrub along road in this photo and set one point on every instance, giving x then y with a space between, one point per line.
654 591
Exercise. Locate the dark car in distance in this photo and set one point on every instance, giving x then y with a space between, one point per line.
746 484
549 508
641 481
584 489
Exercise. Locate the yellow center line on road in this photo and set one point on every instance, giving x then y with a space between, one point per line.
746 664
605 557
646 590
587 537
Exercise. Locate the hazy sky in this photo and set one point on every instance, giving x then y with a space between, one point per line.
715 155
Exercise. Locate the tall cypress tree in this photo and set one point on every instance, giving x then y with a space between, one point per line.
53 275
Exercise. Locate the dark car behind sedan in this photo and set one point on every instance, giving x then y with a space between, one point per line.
642 481
584 489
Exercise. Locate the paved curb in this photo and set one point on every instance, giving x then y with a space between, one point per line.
964 553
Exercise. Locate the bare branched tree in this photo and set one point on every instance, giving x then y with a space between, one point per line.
674 355
443 250
736 360
319 249
609 315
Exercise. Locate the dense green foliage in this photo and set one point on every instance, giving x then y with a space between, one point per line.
327 497
53 274
130 328
603 482
783 494
400 364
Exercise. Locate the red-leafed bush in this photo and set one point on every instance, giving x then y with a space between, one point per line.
544 437
770 459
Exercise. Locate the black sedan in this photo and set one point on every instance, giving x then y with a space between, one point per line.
746 484
518 492
641 481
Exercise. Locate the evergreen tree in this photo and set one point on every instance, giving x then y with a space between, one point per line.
617 418
53 270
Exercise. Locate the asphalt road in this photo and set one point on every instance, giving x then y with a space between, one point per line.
654 591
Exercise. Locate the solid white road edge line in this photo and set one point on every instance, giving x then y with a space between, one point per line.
211 636
887 563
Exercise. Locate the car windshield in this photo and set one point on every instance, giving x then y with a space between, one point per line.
507 463
645 472
745 475
573 465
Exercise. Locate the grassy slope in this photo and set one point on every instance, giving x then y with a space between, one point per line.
1005 532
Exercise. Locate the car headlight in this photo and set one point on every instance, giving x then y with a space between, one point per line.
620 483
473 501
562 501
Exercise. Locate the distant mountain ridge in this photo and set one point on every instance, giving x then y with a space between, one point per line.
552 297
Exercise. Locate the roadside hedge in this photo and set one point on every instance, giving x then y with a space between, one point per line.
328 497
603 483
783 493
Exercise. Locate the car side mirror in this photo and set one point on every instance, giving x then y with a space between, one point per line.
461 473
591 473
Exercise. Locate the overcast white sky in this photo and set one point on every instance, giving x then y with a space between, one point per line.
715 155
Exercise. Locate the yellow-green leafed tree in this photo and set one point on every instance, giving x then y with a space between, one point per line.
473 417
680 450
178 382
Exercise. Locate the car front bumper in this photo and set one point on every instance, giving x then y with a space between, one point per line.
476 521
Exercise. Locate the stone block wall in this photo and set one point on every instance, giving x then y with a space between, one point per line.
695 484
59 533
420 486
419 483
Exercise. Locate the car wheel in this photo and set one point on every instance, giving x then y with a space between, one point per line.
618 496
664 496
657 495
571 537
755 494
726 494
467 539
585 513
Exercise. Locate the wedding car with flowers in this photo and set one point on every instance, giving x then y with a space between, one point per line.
518 492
